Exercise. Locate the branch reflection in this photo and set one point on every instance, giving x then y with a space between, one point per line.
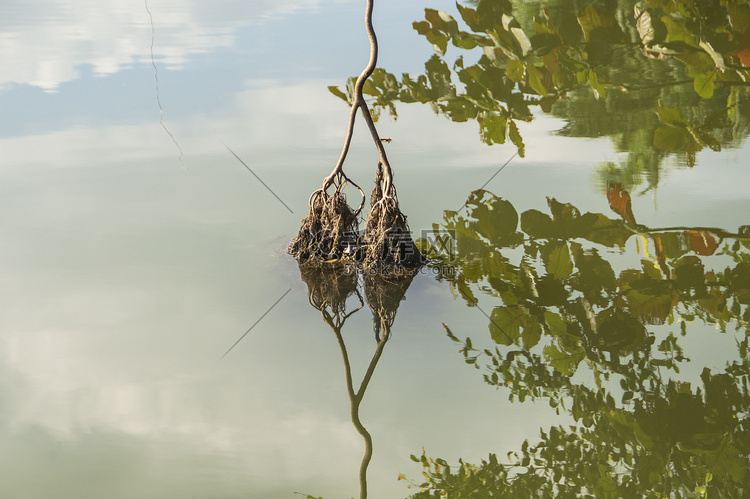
330 287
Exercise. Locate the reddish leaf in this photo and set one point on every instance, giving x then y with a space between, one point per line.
619 201
701 242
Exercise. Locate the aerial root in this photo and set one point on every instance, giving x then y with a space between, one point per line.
329 232
386 242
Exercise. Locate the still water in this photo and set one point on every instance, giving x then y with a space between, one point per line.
157 342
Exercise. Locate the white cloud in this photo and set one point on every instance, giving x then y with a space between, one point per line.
262 117
45 42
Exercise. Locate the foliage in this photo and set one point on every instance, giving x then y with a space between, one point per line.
638 431
610 70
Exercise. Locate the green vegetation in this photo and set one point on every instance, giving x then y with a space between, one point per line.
660 78
576 320
638 431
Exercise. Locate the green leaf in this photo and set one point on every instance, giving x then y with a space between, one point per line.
537 224
515 70
492 129
466 293
450 333
505 324
535 80
669 115
438 39
670 138
515 137
441 21
598 24
705 83
498 220
544 43
562 361
570 30
652 304
557 259
469 16
460 109
439 77
541 26
595 274
522 39
532 333
556 324
599 90
679 32
338 93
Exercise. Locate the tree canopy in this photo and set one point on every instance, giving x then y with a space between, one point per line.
660 78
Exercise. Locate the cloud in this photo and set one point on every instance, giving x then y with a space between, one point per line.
109 35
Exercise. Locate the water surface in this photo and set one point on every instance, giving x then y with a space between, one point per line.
133 261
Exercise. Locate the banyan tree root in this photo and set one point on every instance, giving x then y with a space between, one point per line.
386 244
330 229
329 232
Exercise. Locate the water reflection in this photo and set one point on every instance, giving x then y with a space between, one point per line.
574 323
123 271
329 288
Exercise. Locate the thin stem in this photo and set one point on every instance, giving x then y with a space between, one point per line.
387 172
359 102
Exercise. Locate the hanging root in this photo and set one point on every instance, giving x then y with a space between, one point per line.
386 245
330 229
329 232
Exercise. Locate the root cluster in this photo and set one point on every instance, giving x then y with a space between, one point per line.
386 241
329 233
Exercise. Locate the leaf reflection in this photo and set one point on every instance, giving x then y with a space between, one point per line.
329 287
562 308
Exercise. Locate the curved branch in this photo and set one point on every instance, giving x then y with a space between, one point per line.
359 102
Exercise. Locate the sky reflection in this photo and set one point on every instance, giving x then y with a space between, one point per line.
126 277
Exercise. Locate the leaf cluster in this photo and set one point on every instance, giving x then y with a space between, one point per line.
637 432
622 64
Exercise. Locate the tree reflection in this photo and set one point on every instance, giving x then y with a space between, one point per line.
562 308
660 78
329 288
